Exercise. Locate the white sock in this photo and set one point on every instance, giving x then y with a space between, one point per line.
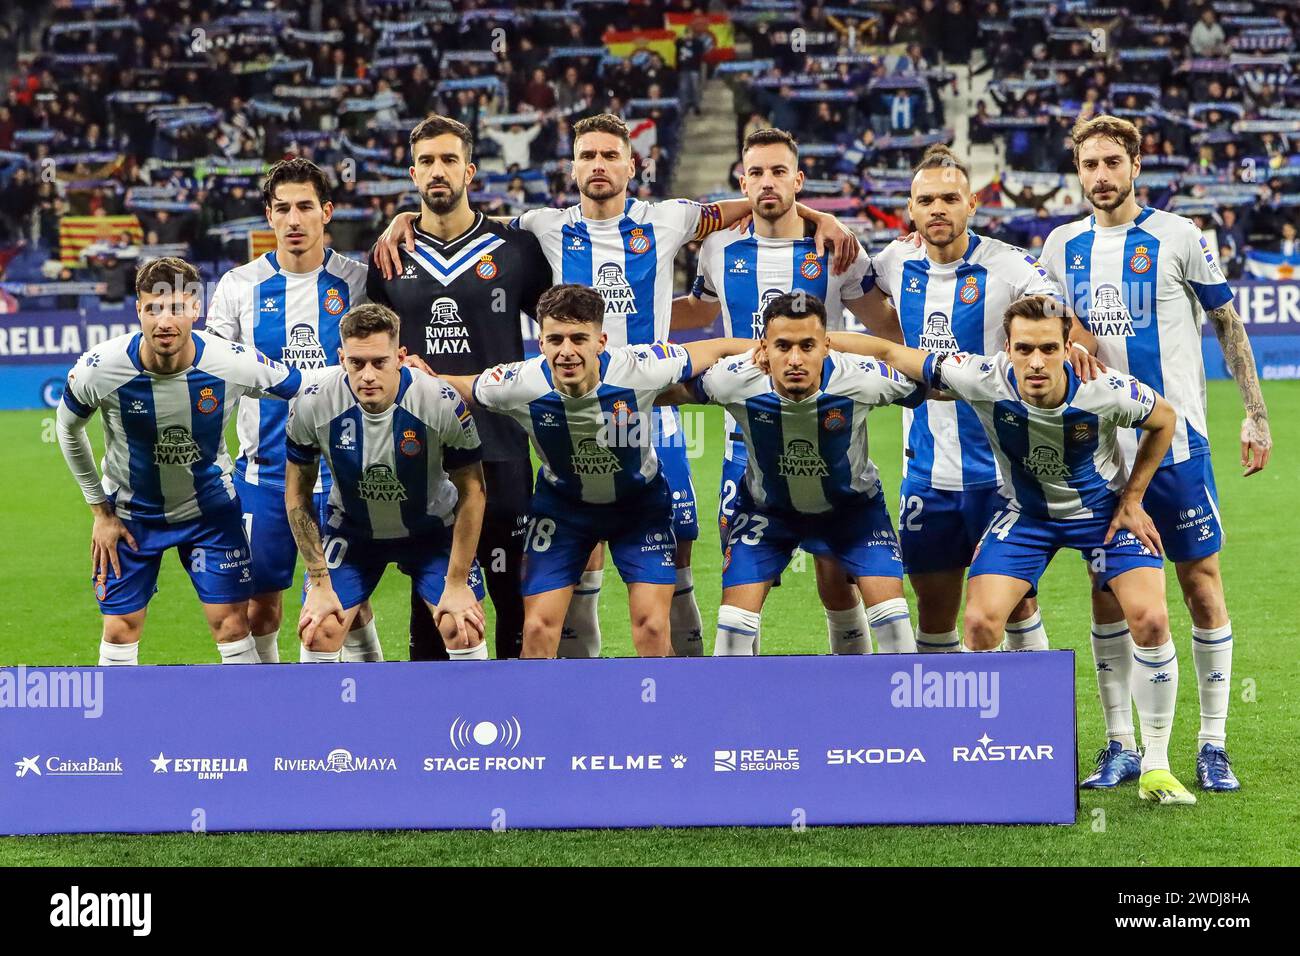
317 657
1155 690
848 630
476 653
362 644
242 651
119 655
1026 635
938 643
1112 652
737 632
684 624
891 627
1212 655
268 648
580 634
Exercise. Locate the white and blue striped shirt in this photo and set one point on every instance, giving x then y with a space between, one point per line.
292 317
810 455
597 448
165 457
957 307
1057 463
1140 288
390 469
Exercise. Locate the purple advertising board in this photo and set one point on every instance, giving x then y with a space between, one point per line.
770 741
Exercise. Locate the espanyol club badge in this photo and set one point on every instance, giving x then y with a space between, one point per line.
638 242
410 444
621 412
101 590
811 268
333 302
834 420
207 403
486 268
970 292
1140 262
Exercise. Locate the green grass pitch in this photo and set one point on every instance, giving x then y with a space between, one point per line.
50 618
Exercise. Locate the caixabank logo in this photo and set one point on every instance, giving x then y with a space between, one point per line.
755 760
484 743
59 766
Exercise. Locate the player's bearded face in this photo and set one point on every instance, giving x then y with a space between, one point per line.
1038 353
166 318
441 172
1106 173
940 205
572 350
374 365
602 165
795 349
770 181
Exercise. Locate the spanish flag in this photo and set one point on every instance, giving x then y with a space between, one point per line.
78 232
623 43
719 28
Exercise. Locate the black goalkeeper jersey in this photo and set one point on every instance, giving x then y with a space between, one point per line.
460 301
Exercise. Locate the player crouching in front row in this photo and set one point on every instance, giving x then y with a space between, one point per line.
408 487
1056 442
588 411
808 478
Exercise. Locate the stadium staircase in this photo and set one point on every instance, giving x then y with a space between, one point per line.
708 144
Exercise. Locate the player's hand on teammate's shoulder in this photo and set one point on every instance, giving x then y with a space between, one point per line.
418 363
387 250
833 233
1086 365
1256 444
1131 516
105 534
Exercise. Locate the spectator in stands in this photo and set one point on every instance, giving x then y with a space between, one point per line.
1207 37
515 143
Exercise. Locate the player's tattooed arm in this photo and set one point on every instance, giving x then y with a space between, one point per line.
1157 435
1256 439
299 483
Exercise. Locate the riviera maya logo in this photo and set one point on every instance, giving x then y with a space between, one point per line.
380 484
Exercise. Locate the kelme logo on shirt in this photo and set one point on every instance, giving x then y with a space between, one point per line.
591 459
380 484
1045 462
175 446
303 350
801 461
612 285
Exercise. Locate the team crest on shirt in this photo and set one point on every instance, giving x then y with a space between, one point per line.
613 287
1045 462
970 292
591 459
638 242
207 402
333 303
834 420
303 349
810 268
176 446
1109 315
380 484
620 412
410 444
1082 433
1140 262
801 461
101 590
726 556
486 268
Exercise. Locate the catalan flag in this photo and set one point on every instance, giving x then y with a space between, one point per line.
78 232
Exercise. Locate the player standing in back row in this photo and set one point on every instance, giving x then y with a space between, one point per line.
624 248
286 304
1138 279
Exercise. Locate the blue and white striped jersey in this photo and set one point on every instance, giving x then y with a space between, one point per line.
1056 463
627 259
1140 288
808 456
165 455
956 307
743 272
390 469
597 448
292 317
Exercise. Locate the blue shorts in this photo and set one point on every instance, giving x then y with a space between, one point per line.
677 470
939 530
860 536
562 534
1184 504
1021 546
275 553
212 549
733 481
357 564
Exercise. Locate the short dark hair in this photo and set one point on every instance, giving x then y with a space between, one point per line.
368 319
1036 307
794 305
296 170
940 156
571 303
769 136
1113 128
435 125
602 123
166 274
